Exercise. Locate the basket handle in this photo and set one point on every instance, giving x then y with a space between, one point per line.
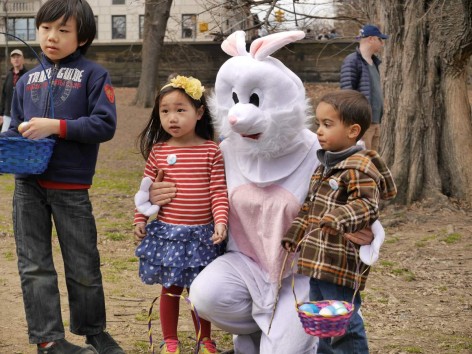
358 275
278 291
51 98
292 267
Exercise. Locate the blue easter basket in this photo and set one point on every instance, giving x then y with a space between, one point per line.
25 156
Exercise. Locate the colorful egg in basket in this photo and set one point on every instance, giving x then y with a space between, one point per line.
331 318
25 156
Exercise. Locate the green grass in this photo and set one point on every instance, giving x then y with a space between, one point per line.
113 278
141 346
116 182
457 343
143 315
387 264
405 273
116 236
7 183
452 238
413 350
420 244
9 255
391 240
120 265
429 238
425 240
392 348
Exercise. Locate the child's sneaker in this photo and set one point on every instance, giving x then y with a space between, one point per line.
104 343
207 346
62 346
170 346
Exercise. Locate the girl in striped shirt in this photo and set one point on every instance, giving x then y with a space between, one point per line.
188 232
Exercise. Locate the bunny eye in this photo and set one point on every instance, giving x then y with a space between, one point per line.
235 98
254 99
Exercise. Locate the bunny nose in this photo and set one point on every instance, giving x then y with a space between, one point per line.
233 120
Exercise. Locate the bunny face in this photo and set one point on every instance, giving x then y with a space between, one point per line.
260 105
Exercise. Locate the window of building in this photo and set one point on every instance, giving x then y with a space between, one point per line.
141 26
23 28
189 26
118 2
118 27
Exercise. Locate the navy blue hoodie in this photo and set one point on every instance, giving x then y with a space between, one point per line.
84 97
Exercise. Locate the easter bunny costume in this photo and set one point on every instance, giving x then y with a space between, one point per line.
270 154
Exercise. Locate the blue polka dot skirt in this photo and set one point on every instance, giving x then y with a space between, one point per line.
175 254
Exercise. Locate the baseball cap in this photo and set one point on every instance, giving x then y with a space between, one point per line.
371 30
16 51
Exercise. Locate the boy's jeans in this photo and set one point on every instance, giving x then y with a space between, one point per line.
355 339
71 211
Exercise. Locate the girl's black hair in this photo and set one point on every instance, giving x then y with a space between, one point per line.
52 10
154 133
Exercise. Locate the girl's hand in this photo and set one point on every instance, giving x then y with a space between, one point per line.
220 234
39 128
139 231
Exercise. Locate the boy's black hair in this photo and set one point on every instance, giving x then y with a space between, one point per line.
352 106
154 133
52 10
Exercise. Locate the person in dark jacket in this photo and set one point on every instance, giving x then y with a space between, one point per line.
17 61
71 100
360 71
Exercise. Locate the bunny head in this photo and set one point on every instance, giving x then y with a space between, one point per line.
259 104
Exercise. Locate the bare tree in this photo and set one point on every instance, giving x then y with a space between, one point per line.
156 15
427 129
4 27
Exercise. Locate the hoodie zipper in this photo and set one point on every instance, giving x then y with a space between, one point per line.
50 81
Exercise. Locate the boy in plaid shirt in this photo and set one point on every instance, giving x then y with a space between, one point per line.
343 198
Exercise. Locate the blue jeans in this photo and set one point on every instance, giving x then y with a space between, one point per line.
34 209
355 339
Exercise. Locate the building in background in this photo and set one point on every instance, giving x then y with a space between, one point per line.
122 21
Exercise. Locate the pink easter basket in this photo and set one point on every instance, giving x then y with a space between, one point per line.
324 327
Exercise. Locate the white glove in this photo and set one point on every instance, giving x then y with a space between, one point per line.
141 199
369 254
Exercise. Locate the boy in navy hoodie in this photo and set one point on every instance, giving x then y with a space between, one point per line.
83 104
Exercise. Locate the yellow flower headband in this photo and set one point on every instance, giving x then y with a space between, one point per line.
192 87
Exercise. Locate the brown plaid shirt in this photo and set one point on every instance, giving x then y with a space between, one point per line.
345 198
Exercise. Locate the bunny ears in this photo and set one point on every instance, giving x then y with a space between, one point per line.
235 44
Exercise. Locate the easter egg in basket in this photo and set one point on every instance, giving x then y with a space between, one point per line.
336 308
22 127
309 308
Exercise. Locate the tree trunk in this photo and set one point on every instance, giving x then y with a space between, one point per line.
427 125
156 14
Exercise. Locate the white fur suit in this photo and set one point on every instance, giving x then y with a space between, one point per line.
270 155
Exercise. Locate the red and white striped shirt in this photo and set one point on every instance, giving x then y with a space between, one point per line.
198 173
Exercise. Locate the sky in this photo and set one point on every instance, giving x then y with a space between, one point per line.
309 7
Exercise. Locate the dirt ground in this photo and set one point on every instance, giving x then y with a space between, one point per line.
418 297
